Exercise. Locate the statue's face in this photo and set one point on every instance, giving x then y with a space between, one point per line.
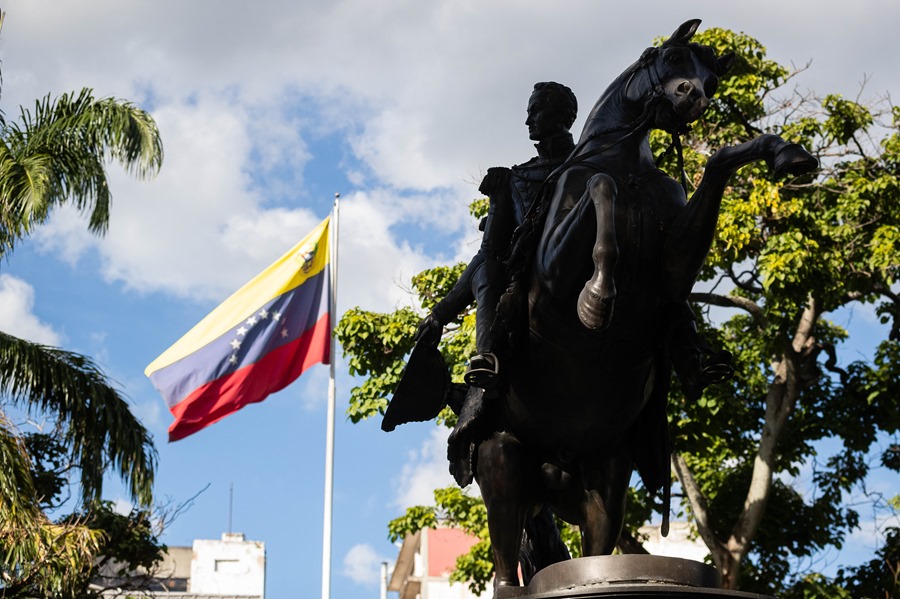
545 119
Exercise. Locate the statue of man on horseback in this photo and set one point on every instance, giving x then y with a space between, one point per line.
595 316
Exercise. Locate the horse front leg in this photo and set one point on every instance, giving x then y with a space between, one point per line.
597 299
588 226
509 489
691 234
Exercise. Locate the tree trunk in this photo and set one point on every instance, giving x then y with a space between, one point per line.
780 400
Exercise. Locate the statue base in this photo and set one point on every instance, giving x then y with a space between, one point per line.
625 577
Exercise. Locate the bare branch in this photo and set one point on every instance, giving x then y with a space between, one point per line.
732 301
746 285
699 505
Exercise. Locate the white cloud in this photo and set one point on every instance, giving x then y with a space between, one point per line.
16 313
198 230
429 104
426 469
240 93
363 565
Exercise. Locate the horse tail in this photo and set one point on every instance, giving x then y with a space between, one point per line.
541 545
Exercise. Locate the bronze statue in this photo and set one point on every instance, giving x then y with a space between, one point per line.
551 110
600 269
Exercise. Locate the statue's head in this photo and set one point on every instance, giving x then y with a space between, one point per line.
552 109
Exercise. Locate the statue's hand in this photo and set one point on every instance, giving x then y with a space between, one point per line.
429 331
497 178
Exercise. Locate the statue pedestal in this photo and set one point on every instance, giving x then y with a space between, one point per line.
625 577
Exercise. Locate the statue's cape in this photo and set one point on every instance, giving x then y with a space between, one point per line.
423 389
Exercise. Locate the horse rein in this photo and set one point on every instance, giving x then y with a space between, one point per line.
534 215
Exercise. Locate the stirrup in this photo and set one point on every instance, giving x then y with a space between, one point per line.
716 368
484 371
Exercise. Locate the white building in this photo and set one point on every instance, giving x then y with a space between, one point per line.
230 568
682 541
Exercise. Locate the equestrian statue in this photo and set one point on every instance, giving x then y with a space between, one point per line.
589 254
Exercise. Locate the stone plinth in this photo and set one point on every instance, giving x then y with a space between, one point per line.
626 577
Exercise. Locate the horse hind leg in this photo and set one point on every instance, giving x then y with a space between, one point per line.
603 502
597 299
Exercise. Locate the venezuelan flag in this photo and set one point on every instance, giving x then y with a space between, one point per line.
255 343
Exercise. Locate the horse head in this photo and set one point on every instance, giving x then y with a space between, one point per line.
673 83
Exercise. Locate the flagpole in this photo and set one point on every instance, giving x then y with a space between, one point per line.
329 425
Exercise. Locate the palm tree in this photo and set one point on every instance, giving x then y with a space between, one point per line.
55 154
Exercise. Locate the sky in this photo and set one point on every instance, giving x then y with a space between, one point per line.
266 110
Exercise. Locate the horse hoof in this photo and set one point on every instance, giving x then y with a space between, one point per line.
507 590
595 310
792 159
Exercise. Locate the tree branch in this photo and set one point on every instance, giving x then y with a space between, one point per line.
747 286
780 399
699 505
732 301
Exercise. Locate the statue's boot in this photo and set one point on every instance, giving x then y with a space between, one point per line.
696 363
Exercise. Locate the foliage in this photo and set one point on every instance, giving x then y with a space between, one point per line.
879 578
452 505
55 154
58 153
791 252
767 460
128 553
92 417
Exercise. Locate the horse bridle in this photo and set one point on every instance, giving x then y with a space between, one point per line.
517 254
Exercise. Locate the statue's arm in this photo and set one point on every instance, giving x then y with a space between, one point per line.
459 298
496 182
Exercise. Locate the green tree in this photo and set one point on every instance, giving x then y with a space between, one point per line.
55 154
788 255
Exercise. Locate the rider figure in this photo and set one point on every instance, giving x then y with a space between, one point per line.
552 109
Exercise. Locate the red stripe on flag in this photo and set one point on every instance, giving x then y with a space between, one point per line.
274 371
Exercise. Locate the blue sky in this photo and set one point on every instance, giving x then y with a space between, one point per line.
266 110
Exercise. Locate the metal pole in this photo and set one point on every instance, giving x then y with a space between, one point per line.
329 422
384 579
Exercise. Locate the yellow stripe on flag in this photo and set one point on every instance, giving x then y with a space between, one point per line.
284 274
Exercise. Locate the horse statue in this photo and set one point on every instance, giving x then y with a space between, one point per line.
606 262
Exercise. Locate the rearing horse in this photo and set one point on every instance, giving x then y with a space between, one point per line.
619 250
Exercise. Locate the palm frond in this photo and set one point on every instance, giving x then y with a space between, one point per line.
43 559
94 419
18 507
58 152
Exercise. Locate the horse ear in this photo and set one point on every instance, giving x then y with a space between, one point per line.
684 33
724 63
